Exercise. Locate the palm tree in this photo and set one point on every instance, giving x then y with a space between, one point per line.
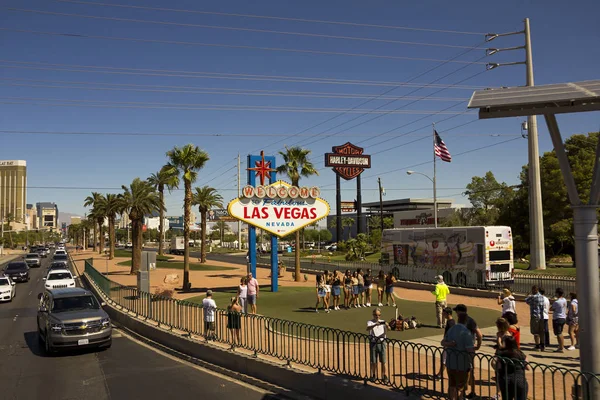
96 201
186 161
205 198
138 200
296 164
348 222
160 180
111 206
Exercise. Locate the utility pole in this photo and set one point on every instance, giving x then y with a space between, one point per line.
536 221
380 204
435 207
239 223
2 235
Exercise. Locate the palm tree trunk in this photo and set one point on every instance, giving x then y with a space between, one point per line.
203 237
111 237
136 239
100 237
161 228
187 204
297 270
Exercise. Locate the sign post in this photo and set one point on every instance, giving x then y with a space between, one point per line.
278 208
348 162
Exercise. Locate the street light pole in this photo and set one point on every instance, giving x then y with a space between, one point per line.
380 204
434 193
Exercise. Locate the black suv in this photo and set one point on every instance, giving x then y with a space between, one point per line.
18 271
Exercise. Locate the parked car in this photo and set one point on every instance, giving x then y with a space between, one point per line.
72 318
59 278
33 260
18 271
7 288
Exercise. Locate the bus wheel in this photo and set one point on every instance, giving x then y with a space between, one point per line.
447 277
461 279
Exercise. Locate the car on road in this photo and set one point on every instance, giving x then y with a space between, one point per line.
60 264
60 252
18 271
61 258
59 278
33 260
72 318
7 288
43 253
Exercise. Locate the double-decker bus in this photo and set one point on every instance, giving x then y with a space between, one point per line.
464 256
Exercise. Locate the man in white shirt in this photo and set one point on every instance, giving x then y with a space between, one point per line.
377 329
546 314
210 307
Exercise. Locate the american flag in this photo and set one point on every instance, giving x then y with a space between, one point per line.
440 149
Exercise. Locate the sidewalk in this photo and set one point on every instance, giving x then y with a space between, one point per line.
10 255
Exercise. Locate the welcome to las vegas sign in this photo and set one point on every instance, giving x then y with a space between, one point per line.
279 208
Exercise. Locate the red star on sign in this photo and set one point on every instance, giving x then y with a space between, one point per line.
263 168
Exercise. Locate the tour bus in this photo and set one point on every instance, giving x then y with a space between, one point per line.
464 256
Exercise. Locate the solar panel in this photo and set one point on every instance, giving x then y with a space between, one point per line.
544 99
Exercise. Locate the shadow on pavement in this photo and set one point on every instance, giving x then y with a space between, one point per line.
34 344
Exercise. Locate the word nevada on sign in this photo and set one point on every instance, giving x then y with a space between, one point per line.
279 208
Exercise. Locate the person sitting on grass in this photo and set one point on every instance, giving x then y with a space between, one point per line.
377 329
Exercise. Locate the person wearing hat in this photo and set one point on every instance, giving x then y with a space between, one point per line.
210 307
507 301
441 293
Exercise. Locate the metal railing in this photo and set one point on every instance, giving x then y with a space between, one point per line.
522 282
409 366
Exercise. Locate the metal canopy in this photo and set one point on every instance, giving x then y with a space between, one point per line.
537 100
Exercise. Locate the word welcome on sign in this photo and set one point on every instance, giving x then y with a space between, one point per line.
279 208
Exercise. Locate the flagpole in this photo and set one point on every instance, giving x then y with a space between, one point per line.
435 218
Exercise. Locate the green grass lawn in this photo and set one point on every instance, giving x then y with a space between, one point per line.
127 253
179 265
559 271
297 304
224 250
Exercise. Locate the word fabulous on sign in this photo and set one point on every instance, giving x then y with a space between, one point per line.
279 208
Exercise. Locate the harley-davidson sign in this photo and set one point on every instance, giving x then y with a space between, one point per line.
347 160
279 208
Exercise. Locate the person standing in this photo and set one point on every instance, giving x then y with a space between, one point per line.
546 318
377 329
234 320
347 289
536 311
513 327
336 290
321 293
559 318
477 337
253 290
512 364
441 293
380 287
210 307
507 301
450 322
573 321
368 282
458 343
390 279
243 295
355 290
361 288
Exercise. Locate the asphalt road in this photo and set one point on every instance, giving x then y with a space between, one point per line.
128 370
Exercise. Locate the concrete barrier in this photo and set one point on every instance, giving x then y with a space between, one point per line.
315 385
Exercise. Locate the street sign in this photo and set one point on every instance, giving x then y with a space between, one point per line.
348 206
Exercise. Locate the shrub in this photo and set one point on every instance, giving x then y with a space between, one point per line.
164 292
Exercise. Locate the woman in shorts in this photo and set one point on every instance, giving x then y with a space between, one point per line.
573 322
355 290
380 287
336 290
361 288
320 287
327 278
389 289
347 289
368 278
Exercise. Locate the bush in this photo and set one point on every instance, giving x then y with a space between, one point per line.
164 292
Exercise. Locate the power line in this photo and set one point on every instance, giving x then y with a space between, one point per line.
218 135
185 106
229 46
220 75
231 28
242 92
355 24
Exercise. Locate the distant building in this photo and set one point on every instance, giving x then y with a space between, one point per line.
13 189
177 222
75 220
124 222
154 223
31 217
47 215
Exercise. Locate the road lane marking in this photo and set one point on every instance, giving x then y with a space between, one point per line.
15 318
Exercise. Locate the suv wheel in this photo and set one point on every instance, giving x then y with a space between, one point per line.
47 346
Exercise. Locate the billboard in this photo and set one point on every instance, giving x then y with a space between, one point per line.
219 215
48 211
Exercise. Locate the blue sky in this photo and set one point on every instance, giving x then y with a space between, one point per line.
57 81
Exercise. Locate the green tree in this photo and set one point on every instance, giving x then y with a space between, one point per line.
459 217
348 222
111 206
325 235
96 201
138 200
205 198
186 161
295 165
487 197
161 180
357 248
